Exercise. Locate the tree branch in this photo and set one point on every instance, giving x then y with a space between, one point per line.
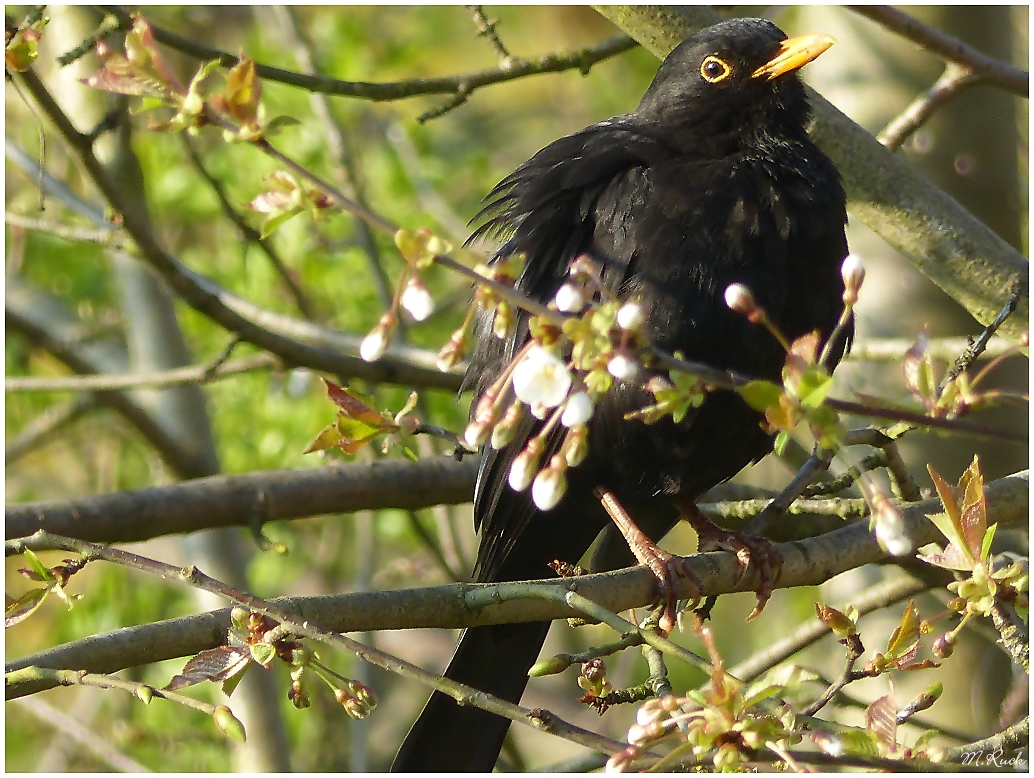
805 563
194 374
581 60
988 69
247 500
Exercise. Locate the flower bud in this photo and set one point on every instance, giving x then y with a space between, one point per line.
503 432
576 445
551 666
417 299
622 367
228 724
550 485
503 323
373 346
476 433
853 274
570 298
578 409
525 465
452 352
739 298
630 317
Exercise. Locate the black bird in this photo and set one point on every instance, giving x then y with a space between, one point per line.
711 181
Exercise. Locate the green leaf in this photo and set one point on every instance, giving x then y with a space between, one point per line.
263 653
780 443
20 609
277 123
270 225
985 546
231 683
329 437
41 570
760 395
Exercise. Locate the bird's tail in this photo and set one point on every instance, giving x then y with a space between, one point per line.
451 738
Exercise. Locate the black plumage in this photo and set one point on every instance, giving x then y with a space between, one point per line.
711 181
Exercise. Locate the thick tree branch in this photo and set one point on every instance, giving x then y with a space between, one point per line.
943 240
247 500
805 563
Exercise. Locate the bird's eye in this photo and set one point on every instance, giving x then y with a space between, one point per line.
714 70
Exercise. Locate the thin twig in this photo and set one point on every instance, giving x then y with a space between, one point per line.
581 60
42 428
194 374
1015 737
980 345
249 233
71 729
893 349
69 232
486 29
953 82
947 47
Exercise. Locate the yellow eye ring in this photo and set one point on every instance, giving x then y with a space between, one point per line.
714 70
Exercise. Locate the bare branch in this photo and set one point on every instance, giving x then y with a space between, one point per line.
581 60
953 81
986 68
196 374
43 427
247 500
893 349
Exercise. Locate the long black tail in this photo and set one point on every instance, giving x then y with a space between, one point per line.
494 659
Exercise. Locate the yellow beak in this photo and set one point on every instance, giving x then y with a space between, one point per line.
794 53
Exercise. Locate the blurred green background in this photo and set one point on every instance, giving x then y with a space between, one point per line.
261 421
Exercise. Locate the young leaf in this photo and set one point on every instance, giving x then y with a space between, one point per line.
20 609
213 664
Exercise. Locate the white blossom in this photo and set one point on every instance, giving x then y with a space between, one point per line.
373 346
853 273
570 298
739 298
630 317
549 487
541 378
417 299
622 367
578 410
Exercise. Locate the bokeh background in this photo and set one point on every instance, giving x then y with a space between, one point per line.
432 174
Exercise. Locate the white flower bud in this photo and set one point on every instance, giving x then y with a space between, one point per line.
549 486
416 298
373 346
739 298
570 298
524 466
541 378
630 317
578 410
476 433
622 367
853 274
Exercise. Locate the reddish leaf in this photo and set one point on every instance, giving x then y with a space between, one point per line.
215 664
353 406
881 719
974 508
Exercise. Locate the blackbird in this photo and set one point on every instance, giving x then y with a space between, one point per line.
711 181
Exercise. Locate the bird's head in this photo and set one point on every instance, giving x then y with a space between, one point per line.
730 84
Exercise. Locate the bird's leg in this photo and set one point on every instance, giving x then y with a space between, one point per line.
665 566
747 548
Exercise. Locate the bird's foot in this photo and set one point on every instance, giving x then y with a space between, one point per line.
748 549
667 568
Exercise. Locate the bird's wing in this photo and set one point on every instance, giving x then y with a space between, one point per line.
545 209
